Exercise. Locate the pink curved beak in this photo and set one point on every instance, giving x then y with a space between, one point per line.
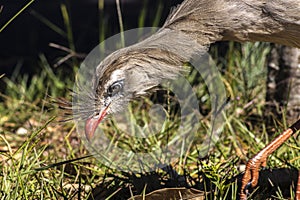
92 123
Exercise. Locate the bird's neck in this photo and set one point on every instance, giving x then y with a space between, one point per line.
261 20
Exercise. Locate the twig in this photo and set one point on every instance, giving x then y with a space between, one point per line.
70 54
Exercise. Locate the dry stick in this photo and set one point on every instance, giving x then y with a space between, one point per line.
120 22
68 56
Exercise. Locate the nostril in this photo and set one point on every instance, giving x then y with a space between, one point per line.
96 115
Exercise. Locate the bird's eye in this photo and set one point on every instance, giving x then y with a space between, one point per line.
115 88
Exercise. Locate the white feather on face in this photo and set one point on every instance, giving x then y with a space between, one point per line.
116 76
115 92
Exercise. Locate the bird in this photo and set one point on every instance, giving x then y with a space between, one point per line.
190 28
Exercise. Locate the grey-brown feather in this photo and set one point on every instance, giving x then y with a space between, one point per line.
150 61
207 21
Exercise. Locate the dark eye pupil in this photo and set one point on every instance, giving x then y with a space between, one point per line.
114 88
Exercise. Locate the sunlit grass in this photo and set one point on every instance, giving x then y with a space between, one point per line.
42 158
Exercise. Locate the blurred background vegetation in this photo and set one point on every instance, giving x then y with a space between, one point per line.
42 158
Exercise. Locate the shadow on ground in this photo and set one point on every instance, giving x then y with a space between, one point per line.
173 186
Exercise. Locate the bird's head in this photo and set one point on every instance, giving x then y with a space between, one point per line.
123 76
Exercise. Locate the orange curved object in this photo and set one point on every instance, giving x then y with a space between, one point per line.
250 178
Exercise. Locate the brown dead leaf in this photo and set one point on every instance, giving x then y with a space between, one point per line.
172 193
